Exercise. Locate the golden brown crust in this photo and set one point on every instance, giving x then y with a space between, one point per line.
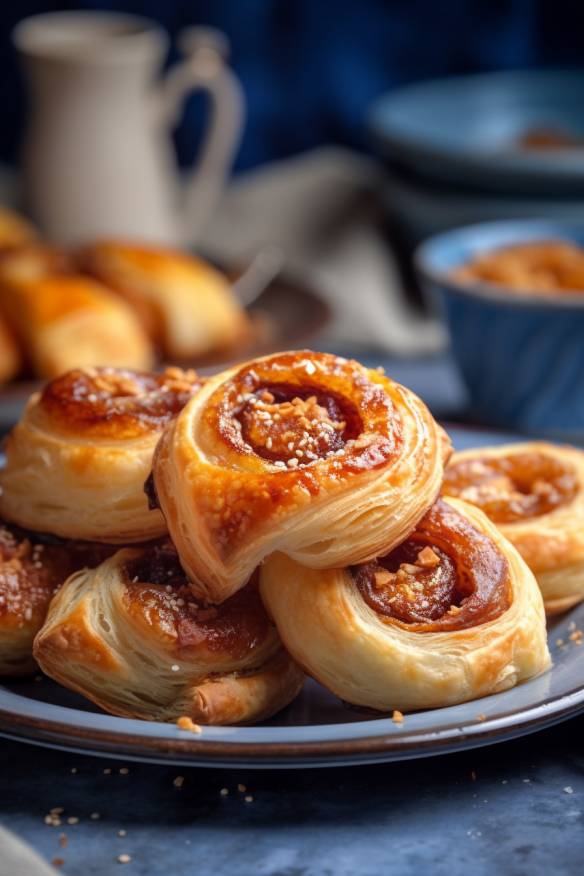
15 230
184 304
10 355
64 320
354 449
534 492
130 636
30 572
374 660
77 460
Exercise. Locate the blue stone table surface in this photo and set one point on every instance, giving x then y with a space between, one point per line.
514 808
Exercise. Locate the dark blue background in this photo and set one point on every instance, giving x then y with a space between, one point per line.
310 68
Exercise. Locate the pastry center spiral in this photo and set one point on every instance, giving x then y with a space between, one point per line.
293 427
116 403
158 591
446 575
512 488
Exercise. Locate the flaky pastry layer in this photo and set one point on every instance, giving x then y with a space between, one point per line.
77 460
551 543
304 453
371 660
143 648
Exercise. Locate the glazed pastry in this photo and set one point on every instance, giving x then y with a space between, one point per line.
304 453
30 572
130 636
450 615
14 229
10 357
65 321
77 460
534 492
185 305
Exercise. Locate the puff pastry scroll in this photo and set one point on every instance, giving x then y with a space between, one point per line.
130 636
185 305
534 492
306 453
450 615
30 572
77 460
64 320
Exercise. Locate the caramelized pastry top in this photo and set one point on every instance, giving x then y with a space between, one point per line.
30 572
295 409
446 576
158 594
512 488
114 403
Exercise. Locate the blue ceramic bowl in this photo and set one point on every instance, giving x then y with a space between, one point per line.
521 356
463 130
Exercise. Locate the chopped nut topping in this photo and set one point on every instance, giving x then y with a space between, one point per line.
383 578
427 559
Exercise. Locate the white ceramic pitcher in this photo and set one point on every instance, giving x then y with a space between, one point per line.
98 156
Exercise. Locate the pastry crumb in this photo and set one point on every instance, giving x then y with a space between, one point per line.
124 859
397 717
481 717
186 723
178 782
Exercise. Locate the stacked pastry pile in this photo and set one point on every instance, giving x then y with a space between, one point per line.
294 519
110 302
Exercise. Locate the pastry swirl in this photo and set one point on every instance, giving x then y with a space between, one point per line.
450 615
130 636
30 572
534 493
77 460
305 453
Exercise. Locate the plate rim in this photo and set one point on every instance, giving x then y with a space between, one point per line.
392 743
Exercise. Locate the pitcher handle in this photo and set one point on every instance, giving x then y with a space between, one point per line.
204 68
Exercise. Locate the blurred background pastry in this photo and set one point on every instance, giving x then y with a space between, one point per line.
64 320
15 230
185 306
